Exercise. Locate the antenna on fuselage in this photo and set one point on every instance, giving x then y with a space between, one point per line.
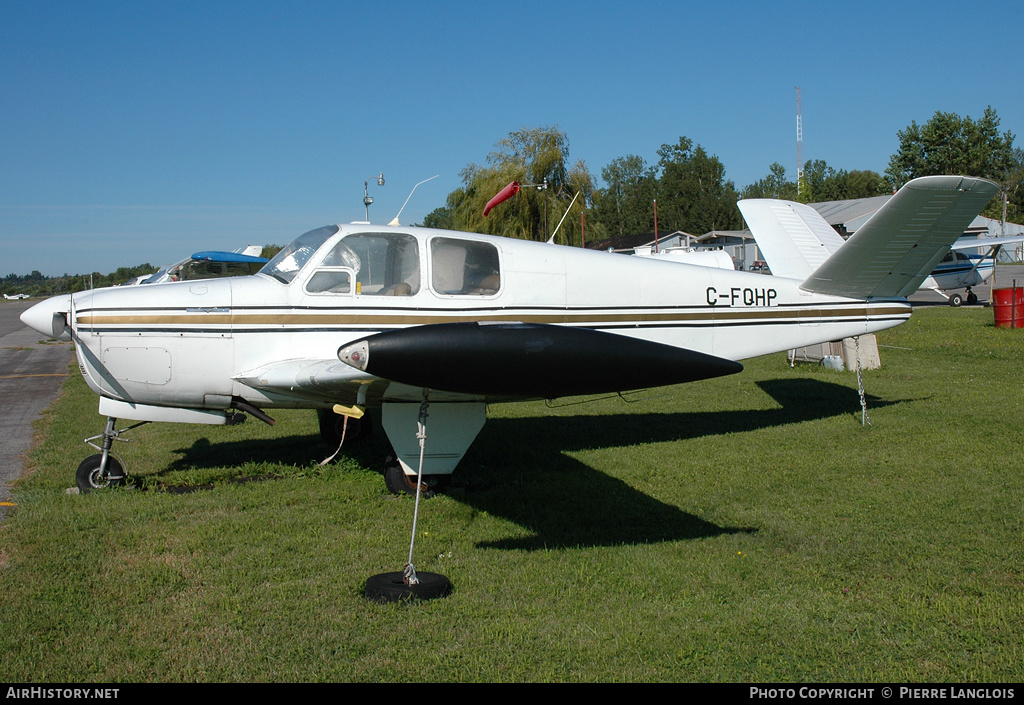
394 221
552 238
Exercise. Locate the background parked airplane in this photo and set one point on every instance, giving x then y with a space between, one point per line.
208 265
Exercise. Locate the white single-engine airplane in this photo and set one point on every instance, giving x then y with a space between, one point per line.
794 239
16 297
355 316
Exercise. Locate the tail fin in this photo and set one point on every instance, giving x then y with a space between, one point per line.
899 246
793 238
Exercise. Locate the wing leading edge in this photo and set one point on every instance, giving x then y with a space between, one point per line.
899 246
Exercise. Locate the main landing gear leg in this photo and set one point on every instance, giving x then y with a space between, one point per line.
104 469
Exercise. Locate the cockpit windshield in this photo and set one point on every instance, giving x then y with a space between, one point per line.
287 263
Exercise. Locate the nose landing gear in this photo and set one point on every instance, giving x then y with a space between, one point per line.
105 469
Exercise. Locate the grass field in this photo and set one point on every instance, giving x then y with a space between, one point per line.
745 529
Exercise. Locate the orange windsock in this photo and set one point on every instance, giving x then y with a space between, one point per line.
503 195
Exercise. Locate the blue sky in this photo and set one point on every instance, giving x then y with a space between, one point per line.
138 132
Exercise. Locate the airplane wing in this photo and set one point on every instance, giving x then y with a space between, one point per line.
218 256
973 243
900 245
305 378
793 238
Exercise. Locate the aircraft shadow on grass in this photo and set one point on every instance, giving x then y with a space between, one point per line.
518 470
566 503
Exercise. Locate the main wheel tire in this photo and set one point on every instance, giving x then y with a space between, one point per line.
391 587
398 482
955 300
332 424
87 477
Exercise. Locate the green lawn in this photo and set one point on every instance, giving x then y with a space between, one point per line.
742 529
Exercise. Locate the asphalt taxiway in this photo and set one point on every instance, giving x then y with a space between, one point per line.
32 371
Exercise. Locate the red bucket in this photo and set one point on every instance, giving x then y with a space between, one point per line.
1009 307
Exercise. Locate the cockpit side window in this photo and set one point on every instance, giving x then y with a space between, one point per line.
336 272
330 280
287 263
388 263
464 267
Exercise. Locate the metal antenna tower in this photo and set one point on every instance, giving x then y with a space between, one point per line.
799 142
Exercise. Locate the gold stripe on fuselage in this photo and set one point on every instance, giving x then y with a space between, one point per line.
381 318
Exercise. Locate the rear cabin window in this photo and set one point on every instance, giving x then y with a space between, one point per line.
464 267
389 263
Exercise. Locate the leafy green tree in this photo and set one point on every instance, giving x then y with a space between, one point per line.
774 185
866 184
820 182
537 158
951 144
625 206
125 274
693 194
1014 188
438 218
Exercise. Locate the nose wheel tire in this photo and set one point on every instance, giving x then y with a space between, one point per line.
87 477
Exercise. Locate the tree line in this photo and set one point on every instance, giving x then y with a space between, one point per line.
37 284
687 190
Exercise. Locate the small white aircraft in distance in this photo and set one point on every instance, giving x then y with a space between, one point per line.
960 270
16 297
351 317
794 239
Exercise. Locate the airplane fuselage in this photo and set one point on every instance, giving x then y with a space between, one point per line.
200 344
360 316
960 271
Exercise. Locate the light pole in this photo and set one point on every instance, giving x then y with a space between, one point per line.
367 199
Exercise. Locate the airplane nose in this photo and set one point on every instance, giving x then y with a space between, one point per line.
50 317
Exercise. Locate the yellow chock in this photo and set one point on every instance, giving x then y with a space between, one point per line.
354 412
